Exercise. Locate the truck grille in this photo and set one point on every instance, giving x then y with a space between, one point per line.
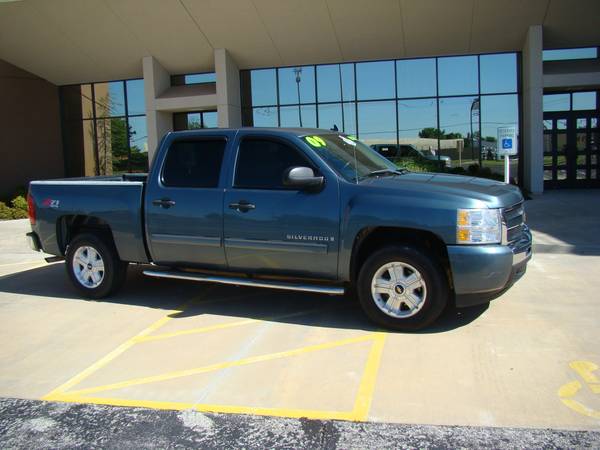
515 223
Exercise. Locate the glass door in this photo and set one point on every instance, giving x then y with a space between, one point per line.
571 149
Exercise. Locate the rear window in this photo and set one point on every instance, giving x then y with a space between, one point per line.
194 163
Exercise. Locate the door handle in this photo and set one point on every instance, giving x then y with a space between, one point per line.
163 202
242 206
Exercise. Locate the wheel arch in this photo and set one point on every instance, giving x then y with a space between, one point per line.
369 240
69 226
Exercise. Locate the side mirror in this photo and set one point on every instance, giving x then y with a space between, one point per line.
302 178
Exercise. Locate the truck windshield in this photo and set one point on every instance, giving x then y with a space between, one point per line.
349 157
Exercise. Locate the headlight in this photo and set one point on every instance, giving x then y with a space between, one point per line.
478 226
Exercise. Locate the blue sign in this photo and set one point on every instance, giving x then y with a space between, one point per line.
507 143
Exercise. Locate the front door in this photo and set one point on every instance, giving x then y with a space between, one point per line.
270 228
571 149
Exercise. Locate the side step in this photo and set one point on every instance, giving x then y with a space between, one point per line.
331 290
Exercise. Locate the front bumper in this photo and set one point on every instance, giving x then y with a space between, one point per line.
484 272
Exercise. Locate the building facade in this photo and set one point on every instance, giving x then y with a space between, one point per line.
384 71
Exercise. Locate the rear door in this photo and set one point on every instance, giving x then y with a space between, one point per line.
184 202
272 228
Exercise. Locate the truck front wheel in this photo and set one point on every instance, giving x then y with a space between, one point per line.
93 266
402 288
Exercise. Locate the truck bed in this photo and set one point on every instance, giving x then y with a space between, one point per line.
113 200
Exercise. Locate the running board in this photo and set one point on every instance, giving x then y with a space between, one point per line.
331 290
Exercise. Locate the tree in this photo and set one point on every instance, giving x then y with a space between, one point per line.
436 133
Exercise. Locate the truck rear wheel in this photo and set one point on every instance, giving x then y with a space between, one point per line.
402 288
93 266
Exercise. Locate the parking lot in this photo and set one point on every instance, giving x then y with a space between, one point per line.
530 359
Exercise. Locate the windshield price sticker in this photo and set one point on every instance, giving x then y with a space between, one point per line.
315 141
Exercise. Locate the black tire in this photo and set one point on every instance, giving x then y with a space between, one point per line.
433 275
115 270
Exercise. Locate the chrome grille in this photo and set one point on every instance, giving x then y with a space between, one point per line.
514 220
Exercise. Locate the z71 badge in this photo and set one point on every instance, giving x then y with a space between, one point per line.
50 203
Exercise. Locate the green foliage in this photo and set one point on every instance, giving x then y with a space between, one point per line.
436 133
17 210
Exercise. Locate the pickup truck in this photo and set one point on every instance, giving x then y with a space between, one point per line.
294 209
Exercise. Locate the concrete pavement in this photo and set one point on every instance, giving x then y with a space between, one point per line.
529 360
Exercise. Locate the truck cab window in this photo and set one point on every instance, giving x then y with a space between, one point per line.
194 163
262 163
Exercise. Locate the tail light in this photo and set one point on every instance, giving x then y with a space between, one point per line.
31 209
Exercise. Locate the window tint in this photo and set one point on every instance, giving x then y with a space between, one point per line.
194 163
262 163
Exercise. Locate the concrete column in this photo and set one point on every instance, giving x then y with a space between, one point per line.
533 113
156 81
229 109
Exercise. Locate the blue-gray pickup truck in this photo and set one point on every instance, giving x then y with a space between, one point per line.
296 209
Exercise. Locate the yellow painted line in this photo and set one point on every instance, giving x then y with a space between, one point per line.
586 370
222 326
115 353
364 397
222 365
568 390
219 409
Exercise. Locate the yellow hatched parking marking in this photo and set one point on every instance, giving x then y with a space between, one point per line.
359 412
222 365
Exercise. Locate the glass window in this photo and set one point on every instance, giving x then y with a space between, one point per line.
112 144
458 75
304 116
497 111
348 91
110 99
584 100
264 87
297 85
262 163
349 125
265 117
328 83
417 124
199 78
87 110
210 119
136 103
193 163
459 130
570 53
330 117
375 80
557 102
498 73
416 78
138 144
377 122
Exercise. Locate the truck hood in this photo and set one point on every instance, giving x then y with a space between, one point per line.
493 193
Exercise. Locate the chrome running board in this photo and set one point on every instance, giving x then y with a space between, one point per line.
331 290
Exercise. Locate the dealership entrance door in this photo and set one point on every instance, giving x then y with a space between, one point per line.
571 149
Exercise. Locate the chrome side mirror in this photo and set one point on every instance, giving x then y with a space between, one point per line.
302 178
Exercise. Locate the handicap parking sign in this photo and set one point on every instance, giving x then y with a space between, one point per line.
507 140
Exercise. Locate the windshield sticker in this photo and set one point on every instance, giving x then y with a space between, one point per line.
347 140
315 141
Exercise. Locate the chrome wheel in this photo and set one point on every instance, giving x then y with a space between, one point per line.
88 267
399 289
